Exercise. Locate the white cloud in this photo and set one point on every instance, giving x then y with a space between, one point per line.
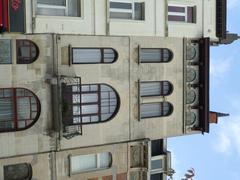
228 141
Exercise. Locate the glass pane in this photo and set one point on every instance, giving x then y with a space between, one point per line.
158 176
76 110
176 18
139 11
120 5
150 55
190 17
150 89
6 110
24 51
104 159
23 108
150 110
89 109
156 164
83 163
176 9
50 11
120 15
157 147
87 98
17 171
86 119
74 8
53 2
5 51
87 56
76 98
109 55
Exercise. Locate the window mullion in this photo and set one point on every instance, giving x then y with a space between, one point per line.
98 160
15 108
66 7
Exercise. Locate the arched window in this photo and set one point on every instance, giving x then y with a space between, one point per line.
87 104
155 88
19 109
22 171
27 51
159 109
155 55
93 55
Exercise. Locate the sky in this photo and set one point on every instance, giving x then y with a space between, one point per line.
216 156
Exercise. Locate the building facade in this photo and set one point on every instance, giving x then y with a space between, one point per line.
91 89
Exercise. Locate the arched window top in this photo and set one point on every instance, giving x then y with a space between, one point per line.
155 55
27 51
89 103
160 109
155 88
18 171
90 162
19 109
93 55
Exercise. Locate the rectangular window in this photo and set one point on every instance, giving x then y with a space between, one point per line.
182 13
150 89
157 164
5 51
127 10
90 162
59 8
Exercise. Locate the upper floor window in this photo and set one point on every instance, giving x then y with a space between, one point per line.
155 55
155 88
22 171
120 9
59 7
93 55
19 109
159 109
5 51
27 51
86 104
90 162
182 13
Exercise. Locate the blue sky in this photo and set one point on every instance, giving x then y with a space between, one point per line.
216 156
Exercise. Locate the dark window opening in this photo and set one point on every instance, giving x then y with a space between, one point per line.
27 52
155 55
21 171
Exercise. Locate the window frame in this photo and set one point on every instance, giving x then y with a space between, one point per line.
30 59
97 155
71 58
15 119
49 6
162 85
171 108
130 11
170 58
183 14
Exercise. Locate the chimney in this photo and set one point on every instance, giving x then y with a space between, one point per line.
213 117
